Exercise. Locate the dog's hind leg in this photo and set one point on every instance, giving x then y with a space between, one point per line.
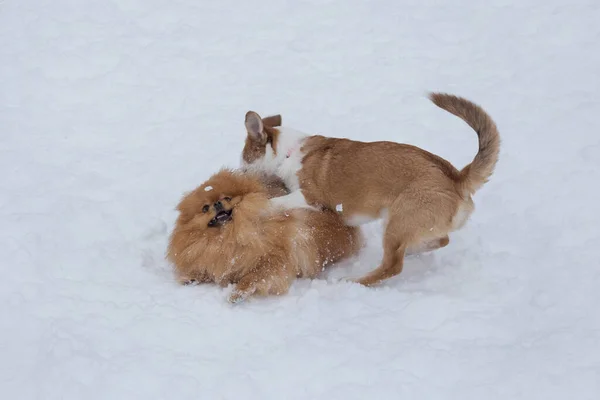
269 277
395 243
414 220
391 265
428 245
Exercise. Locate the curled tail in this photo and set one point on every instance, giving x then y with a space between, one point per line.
474 175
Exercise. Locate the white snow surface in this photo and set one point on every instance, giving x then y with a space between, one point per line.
111 110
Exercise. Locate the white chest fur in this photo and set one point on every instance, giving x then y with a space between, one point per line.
291 157
288 160
285 164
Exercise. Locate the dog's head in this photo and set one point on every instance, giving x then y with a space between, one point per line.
262 138
213 204
226 197
221 220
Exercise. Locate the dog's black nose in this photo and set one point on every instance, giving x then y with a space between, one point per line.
218 206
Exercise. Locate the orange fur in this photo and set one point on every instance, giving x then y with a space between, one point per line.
260 250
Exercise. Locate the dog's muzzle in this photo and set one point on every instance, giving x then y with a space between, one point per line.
221 217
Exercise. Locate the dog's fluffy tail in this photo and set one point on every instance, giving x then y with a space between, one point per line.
473 176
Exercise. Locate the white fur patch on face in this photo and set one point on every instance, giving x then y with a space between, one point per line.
288 160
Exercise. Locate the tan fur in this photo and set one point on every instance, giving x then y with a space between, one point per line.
425 197
260 250
272 121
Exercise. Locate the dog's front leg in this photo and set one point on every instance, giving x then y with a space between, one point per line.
293 200
269 278
195 278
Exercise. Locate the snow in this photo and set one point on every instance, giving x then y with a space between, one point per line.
208 188
110 111
339 208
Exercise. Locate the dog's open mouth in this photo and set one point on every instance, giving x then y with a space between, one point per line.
221 217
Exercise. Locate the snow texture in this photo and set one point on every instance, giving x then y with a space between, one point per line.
339 207
111 110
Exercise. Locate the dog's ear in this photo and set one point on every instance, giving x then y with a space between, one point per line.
272 120
255 127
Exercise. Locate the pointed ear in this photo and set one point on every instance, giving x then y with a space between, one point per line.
272 120
255 127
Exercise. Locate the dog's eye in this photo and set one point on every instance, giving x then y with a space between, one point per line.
227 198
205 209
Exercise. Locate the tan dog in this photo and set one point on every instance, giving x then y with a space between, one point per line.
422 196
227 232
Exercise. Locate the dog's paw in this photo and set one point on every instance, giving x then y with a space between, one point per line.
237 297
363 281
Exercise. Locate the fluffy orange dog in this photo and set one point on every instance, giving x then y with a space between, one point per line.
422 196
227 232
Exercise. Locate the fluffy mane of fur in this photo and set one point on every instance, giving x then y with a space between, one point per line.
260 249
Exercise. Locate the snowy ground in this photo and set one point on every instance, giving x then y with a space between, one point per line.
110 110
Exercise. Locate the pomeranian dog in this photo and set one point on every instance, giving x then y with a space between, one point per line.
227 233
422 196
